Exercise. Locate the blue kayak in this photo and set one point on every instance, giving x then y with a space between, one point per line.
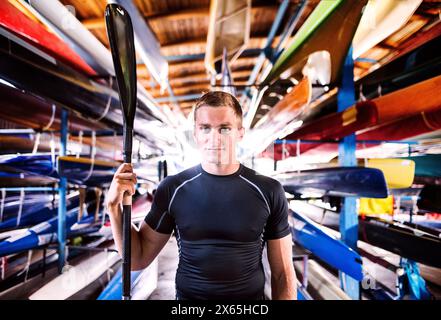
113 290
43 233
340 181
35 209
10 177
76 170
329 249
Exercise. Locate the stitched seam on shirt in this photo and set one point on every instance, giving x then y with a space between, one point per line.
160 220
177 189
260 191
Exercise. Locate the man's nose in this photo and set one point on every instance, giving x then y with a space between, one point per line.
215 137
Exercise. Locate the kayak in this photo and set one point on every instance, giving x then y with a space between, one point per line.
11 177
39 235
35 208
340 181
404 240
29 31
428 165
406 128
429 199
330 27
280 119
317 51
41 115
381 19
143 283
229 29
56 16
77 277
77 170
329 249
340 124
90 99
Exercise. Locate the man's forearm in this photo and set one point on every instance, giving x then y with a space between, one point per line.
284 287
116 223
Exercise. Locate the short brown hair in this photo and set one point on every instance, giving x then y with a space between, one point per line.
218 99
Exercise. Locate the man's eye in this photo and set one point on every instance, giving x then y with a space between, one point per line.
225 130
205 129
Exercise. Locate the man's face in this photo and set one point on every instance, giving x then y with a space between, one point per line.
216 132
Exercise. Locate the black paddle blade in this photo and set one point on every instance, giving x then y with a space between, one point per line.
122 45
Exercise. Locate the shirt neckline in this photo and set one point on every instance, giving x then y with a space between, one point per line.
234 174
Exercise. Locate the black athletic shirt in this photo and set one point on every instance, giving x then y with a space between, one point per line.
221 223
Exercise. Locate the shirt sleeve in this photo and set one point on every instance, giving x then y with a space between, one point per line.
277 225
158 218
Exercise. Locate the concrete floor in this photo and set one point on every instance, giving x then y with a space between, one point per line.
167 265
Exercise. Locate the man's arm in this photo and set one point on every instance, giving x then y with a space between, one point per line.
145 243
283 277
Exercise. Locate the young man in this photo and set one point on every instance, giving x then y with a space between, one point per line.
222 214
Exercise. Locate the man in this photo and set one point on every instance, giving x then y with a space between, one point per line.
222 214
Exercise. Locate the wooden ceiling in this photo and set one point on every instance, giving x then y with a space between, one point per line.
181 27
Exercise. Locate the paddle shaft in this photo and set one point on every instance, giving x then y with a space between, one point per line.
121 38
127 219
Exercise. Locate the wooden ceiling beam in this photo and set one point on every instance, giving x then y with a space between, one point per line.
99 23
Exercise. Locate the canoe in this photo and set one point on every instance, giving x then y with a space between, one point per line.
408 242
430 199
76 277
29 31
329 249
340 181
143 283
229 28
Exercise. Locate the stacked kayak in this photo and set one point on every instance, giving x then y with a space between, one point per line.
77 170
36 208
143 282
44 233
340 181
309 235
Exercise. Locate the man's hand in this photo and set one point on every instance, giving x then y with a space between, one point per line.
123 181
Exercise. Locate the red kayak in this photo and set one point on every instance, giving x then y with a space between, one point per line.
20 25
339 125
406 128
39 113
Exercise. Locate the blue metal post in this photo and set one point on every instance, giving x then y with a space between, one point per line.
62 194
346 152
